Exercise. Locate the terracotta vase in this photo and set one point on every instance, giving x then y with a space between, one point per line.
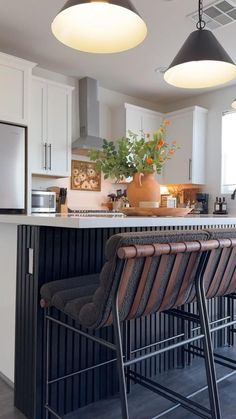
144 187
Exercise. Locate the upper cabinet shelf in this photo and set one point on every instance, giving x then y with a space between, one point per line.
15 79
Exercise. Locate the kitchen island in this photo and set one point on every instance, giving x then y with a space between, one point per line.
36 249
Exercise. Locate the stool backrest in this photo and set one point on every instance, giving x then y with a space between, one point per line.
154 271
220 273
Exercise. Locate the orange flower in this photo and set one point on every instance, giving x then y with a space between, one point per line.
161 142
166 122
149 160
171 152
174 142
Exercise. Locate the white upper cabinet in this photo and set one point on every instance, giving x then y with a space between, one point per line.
133 120
141 120
188 128
151 121
50 128
15 79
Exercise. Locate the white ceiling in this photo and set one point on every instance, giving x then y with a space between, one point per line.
25 32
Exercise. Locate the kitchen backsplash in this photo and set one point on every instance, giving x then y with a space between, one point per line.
78 199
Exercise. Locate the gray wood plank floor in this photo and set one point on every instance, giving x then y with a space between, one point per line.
7 410
144 404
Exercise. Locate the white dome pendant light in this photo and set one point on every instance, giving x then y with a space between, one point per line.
99 26
233 104
201 62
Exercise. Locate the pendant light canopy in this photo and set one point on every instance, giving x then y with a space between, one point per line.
103 26
233 104
201 62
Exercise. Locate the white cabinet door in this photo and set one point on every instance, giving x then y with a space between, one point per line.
58 130
151 121
141 120
50 129
38 134
188 128
134 120
15 77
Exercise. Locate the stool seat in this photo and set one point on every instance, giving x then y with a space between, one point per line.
72 300
60 293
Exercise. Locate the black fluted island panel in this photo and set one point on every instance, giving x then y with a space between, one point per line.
61 253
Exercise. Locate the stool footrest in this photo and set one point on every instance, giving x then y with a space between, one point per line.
172 395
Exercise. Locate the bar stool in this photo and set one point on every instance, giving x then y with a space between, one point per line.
220 286
145 273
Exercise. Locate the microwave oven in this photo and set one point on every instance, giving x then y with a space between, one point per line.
43 201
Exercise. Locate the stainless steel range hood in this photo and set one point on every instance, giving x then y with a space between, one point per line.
89 117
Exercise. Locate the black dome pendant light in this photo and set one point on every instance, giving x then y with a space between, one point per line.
201 62
99 26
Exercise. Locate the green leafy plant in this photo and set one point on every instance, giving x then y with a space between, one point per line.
130 155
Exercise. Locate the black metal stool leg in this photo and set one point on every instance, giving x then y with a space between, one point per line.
183 327
208 352
47 324
127 326
120 362
230 313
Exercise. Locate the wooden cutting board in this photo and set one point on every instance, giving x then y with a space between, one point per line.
155 212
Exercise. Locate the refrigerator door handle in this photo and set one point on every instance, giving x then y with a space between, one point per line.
45 156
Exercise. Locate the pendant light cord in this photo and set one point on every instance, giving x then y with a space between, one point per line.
201 23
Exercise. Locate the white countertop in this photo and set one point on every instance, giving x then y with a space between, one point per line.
61 220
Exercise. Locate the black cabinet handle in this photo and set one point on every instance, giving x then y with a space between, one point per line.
50 156
189 169
45 156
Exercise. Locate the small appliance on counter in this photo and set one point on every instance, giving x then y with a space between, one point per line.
201 204
43 201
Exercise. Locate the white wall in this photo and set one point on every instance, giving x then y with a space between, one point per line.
216 102
79 199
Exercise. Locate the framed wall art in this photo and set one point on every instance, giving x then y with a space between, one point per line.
85 176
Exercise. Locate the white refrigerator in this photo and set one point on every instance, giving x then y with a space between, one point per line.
12 168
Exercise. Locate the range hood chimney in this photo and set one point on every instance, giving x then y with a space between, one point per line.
89 117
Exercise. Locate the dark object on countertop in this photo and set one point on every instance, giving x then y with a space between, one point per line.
202 202
62 204
224 206
112 196
63 195
119 194
233 194
220 206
